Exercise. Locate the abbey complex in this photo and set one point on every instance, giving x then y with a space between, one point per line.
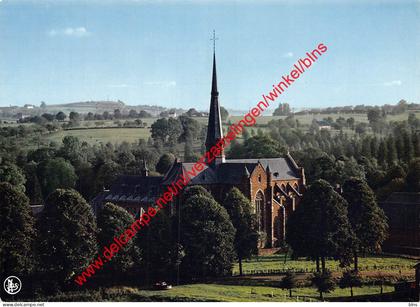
273 185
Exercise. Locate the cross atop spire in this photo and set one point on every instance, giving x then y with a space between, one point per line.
214 41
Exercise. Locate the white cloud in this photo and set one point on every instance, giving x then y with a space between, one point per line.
69 31
161 83
288 54
393 83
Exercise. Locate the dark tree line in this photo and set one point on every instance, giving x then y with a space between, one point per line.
49 251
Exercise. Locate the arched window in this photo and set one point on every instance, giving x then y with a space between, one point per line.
296 187
260 210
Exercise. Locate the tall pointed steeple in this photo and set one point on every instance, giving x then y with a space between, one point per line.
214 127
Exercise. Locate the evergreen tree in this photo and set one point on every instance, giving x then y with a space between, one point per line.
366 147
323 283
17 232
67 237
350 279
324 168
327 231
374 147
392 150
158 249
382 153
408 151
240 212
207 235
416 144
366 217
412 181
33 186
112 222
189 155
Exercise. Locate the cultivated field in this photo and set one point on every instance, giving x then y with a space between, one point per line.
97 136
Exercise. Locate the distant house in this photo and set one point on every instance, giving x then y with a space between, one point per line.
172 114
29 106
324 125
403 213
21 116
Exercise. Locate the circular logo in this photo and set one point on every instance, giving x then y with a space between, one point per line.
12 285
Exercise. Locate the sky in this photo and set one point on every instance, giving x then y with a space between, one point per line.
160 52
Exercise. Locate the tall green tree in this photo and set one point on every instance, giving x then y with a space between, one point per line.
17 232
412 181
10 172
366 217
327 231
106 174
165 162
56 173
112 221
324 168
159 254
258 147
392 150
195 190
240 212
383 153
33 185
408 152
66 240
207 235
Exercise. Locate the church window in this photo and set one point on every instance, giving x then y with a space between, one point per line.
260 210
259 178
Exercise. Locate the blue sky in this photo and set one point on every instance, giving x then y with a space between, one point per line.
146 52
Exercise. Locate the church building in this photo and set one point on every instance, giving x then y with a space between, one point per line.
273 185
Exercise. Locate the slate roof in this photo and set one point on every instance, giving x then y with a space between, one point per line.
232 171
281 168
132 189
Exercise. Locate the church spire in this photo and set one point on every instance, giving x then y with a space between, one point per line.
214 127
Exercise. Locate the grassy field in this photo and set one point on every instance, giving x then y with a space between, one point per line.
229 293
255 288
382 263
216 292
97 136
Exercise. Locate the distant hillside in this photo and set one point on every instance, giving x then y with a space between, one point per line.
82 107
90 104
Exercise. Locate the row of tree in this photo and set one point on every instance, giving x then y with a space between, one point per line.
329 225
201 240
